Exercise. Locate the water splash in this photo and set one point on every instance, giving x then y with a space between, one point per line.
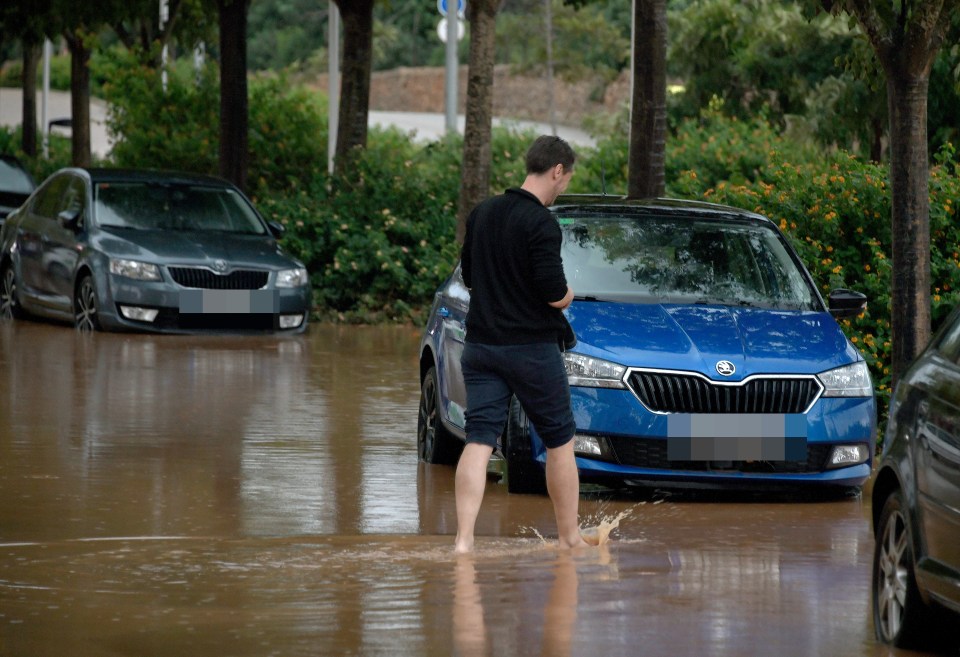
600 534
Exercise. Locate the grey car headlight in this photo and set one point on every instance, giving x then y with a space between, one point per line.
851 380
593 372
292 277
141 271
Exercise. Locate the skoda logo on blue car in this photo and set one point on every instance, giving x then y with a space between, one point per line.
725 368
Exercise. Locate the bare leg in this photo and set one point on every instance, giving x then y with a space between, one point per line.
470 483
563 484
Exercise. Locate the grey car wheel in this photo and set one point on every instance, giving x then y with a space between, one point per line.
9 306
899 613
85 306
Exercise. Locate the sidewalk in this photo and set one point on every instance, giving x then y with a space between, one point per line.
58 107
424 127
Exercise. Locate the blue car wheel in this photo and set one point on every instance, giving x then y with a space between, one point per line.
434 443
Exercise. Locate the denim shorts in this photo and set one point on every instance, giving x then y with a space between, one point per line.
534 373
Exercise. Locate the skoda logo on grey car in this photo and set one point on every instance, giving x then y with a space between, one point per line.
725 368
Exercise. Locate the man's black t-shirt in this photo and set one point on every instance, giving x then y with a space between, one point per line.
511 262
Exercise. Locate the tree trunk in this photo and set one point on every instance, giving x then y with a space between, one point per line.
906 38
31 57
648 120
477 157
357 19
909 174
234 113
79 97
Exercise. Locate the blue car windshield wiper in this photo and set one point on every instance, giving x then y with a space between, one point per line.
589 297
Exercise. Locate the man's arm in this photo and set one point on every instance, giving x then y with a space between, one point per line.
563 303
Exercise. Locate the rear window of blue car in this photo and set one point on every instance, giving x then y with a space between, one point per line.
681 260
148 206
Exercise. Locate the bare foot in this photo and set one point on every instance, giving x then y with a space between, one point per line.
462 546
574 544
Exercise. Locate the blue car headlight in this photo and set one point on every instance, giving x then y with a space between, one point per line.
141 271
851 380
593 372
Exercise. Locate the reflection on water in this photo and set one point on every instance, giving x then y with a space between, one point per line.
260 496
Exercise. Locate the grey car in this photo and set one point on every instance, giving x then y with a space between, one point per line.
154 251
916 503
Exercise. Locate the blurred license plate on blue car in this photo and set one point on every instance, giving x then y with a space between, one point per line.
736 437
229 302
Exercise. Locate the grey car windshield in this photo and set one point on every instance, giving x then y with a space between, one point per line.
146 206
665 260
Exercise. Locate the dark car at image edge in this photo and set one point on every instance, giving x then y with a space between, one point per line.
706 357
916 503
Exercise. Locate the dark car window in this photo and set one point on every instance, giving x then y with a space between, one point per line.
147 206
644 259
47 202
14 179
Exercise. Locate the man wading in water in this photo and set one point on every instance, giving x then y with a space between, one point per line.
511 263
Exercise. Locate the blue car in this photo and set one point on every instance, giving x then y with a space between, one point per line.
706 357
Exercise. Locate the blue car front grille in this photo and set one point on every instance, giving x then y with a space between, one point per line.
668 392
199 277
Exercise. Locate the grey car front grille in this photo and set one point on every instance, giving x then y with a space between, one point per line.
666 392
199 277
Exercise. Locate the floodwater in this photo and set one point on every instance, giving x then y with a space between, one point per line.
216 496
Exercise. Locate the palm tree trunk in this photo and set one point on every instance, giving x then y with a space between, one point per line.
475 169
31 56
909 173
648 119
79 97
234 103
357 20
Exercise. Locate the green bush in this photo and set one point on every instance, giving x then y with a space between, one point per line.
715 146
178 128
378 240
59 152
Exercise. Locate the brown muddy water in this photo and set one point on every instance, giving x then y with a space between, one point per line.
215 496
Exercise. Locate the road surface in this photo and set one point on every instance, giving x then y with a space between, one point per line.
424 126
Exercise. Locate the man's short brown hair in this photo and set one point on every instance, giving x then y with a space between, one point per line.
547 152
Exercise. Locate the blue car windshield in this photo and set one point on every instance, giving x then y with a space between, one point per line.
681 260
151 206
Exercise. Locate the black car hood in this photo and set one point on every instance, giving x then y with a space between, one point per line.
193 248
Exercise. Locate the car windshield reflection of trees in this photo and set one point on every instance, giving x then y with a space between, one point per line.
140 206
658 260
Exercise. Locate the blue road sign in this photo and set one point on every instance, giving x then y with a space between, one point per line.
442 6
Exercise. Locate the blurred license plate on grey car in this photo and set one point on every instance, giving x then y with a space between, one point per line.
209 302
